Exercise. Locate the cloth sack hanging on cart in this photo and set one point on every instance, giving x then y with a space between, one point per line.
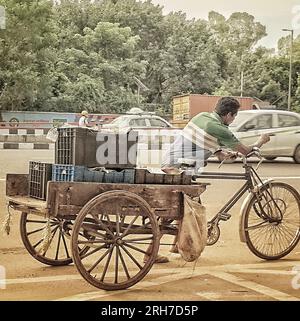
192 233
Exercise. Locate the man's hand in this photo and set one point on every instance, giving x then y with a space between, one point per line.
264 138
226 155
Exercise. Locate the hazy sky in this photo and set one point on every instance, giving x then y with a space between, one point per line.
274 14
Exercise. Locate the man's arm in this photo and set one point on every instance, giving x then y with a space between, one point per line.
243 149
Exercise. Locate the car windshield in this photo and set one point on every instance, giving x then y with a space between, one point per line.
240 118
119 121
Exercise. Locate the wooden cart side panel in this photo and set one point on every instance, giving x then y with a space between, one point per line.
17 184
165 200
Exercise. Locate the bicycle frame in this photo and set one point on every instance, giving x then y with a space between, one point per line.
252 179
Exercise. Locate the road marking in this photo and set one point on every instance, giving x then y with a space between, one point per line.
254 271
189 273
278 295
180 273
64 278
247 268
282 177
140 286
263 264
224 295
43 279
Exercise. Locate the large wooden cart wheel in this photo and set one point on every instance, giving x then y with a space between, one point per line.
58 252
125 244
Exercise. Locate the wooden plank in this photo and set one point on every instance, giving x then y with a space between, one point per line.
17 184
157 196
27 204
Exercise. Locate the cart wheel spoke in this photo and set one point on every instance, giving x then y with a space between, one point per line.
107 264
98 261
129 227
65 245
135 248
58 244
132 257
120 218
32 233
123 263
35 231
92 251
52 236
36 221
41 240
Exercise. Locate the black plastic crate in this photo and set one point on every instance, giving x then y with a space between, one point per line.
117 150
39 174
76 146
126 176
86 147
143 176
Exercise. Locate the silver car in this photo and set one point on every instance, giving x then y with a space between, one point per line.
138 121
282 126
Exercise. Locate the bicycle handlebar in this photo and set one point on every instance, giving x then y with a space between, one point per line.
255 152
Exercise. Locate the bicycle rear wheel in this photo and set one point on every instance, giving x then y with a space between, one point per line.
272 222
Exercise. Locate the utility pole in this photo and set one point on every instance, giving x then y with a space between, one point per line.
140 86
291 65
242 83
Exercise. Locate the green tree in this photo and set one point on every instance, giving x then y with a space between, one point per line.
26 54
236 36
97 72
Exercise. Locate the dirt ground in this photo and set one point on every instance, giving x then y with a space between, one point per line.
225 271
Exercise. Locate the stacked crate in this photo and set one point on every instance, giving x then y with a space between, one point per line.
79 146
143 176
76 152
67 173
71 173
39 175
76 146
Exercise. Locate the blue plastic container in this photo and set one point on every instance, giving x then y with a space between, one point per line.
67 173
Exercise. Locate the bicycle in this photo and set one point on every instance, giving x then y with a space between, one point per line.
270 215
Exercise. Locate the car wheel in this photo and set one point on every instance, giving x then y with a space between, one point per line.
297 155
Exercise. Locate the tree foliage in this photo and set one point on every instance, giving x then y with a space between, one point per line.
80 54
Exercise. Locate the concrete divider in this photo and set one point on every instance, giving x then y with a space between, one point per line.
15 138
151 143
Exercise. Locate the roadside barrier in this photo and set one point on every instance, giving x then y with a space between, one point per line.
151 142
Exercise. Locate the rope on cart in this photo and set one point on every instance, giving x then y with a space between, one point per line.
7 221
46 237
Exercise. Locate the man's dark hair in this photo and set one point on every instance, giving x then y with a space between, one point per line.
227 105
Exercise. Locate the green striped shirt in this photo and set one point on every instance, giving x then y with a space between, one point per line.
207 131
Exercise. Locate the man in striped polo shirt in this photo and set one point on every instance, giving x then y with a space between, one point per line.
206 134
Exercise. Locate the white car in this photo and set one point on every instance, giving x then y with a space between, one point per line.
282 126
138 119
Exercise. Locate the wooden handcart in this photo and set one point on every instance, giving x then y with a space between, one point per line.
111 231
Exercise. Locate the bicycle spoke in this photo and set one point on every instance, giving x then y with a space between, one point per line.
279 233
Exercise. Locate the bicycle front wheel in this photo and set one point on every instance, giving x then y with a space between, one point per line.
272 221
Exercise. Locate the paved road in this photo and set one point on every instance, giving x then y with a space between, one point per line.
225 271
